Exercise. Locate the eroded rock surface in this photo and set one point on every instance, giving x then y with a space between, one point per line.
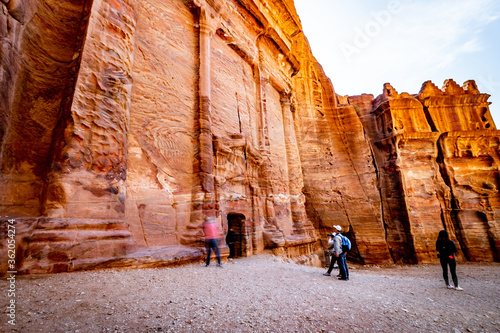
436 154
125 123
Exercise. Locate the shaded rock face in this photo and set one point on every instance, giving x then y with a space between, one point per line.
125 123
39 64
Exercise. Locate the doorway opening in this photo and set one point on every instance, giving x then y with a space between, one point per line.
235 237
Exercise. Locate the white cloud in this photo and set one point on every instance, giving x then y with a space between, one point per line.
470 46
419 40
424 40
430 34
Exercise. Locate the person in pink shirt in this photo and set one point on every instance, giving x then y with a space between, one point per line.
212 234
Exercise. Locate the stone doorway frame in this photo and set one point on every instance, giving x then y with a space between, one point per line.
237 221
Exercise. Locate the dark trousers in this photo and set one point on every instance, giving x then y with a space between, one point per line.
212 244
453 270
344 270
231 250
333 260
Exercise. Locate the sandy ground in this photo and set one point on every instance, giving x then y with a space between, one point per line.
258 294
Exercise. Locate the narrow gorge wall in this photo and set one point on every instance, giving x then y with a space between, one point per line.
339 173
125 123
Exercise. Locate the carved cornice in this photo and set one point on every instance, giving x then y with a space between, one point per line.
286 98
419 136
209 19
468 92
273 34
455 108
215 13
249 53
470 143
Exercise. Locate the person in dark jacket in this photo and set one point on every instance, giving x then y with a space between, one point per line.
447 250
231 239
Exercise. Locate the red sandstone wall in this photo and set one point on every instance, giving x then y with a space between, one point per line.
426 178
162 143
337 163
39 64
475 200
124 123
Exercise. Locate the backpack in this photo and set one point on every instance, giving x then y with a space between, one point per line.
346 243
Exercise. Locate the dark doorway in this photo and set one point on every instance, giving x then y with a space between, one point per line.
235 238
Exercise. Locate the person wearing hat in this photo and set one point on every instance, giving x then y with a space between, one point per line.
338 255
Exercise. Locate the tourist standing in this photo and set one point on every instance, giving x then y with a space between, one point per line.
447 251
333 259
342 257
212 234
231 241
339 254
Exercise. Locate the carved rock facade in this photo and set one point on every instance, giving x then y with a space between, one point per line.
436 154
124 123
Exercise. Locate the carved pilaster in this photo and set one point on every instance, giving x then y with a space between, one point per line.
260 105
205 91
204 203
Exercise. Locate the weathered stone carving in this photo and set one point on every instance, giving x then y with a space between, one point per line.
124 123
422 145
474 198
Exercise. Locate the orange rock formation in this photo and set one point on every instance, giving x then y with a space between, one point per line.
123 123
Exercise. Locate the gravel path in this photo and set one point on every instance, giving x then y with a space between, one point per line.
262 293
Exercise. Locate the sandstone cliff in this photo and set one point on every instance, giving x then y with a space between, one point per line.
436 158
124 123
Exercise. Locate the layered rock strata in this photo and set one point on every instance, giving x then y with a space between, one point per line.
436 155
154 114
124 123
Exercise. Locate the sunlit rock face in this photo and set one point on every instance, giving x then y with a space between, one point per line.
436 155
125 123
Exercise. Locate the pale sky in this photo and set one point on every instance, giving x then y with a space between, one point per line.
363 44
